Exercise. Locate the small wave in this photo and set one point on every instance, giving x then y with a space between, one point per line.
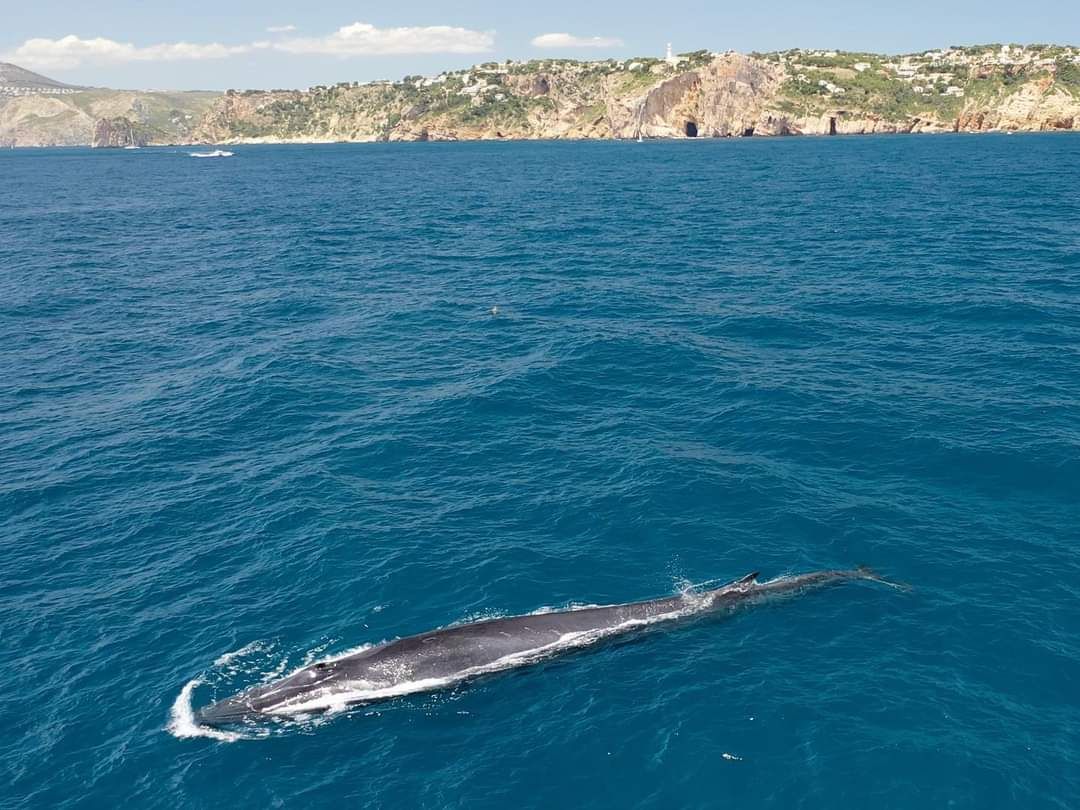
247 649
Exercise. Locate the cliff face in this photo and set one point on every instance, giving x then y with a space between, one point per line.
699 95
72 119
732 95
343 113
43 121
1037 105
118 132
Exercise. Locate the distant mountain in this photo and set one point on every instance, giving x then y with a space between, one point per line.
17 81
38 111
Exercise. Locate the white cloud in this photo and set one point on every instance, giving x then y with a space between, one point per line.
571 41
358 39
72 51
363 39
280 29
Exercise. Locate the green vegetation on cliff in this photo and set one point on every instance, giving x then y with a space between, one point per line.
786 92
71 118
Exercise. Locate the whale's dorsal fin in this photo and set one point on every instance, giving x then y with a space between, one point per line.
749 579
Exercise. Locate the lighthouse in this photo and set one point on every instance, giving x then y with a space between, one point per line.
670 58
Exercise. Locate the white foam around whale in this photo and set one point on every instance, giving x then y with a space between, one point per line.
182 719
182 715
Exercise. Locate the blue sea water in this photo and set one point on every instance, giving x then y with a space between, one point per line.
257 411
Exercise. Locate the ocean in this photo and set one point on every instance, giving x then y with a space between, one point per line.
261 410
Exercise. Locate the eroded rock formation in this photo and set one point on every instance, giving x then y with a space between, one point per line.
115 133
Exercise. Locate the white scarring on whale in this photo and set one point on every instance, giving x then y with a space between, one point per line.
440 658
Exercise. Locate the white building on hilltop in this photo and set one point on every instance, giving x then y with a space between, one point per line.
18 90
671 59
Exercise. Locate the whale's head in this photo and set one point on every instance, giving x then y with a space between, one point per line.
230 712
264 702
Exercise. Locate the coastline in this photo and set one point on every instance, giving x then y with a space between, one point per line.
652 139
700 95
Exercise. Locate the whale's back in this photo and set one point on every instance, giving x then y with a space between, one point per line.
455 650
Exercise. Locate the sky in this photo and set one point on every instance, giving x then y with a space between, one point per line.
270 43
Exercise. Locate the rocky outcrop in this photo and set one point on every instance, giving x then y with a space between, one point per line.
733 96
535 85
1035 106
116 133
72 119
847 122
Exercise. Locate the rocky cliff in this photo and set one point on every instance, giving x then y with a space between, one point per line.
698 94
119 132
694 95
72 119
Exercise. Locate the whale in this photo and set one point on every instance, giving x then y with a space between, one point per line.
448 656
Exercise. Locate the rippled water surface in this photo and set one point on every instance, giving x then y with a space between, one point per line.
255 411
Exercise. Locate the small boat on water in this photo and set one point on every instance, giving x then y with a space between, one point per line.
217 153
132 146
